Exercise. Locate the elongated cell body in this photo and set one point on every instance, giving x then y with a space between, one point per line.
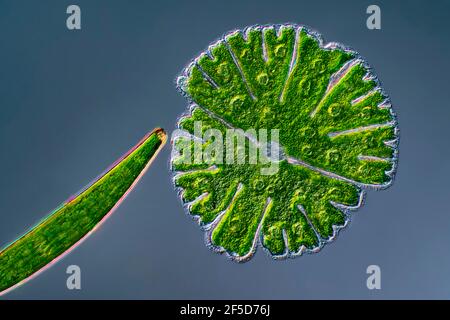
76 218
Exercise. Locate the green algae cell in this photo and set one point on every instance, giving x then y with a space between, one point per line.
337 132
68 225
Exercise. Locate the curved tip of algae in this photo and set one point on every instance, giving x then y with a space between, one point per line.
66 227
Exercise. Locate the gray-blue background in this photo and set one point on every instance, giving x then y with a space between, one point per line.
71 102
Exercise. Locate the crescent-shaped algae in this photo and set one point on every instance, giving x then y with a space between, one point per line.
78 217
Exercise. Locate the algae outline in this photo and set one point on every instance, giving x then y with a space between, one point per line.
362 188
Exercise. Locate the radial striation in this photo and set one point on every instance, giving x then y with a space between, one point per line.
337 132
